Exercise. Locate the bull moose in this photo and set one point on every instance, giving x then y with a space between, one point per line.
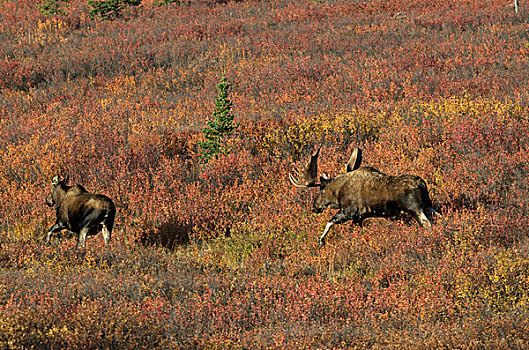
80 211
364 192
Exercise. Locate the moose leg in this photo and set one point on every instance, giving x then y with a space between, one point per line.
412 205
336 219
108 223
431 213
82 238
106 234
422 219
58 226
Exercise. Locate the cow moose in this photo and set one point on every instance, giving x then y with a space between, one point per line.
364 192
80 211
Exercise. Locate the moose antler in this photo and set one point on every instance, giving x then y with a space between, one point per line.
308 175
354 161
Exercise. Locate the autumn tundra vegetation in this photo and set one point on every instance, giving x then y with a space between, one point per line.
212 246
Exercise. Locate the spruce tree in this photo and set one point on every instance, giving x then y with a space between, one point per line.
110 9
221 125
53 7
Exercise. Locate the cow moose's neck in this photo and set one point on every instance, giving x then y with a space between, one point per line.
59 192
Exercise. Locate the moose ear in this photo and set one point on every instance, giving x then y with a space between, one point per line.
55 180
66 178
355 160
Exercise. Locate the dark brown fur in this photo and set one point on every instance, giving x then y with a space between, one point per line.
80 211
364 192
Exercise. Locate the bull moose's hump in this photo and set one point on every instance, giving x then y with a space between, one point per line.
360 177
368 172
355 178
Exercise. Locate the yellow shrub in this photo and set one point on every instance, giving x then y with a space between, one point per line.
509 281
50 30
121 85
344 127
454 110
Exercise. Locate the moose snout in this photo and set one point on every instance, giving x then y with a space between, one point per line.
317 210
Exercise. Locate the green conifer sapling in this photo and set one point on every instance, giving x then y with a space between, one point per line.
221 125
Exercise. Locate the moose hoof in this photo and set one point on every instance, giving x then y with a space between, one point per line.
321 244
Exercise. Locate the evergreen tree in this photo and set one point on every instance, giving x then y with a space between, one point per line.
221 125
53 7
110 9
